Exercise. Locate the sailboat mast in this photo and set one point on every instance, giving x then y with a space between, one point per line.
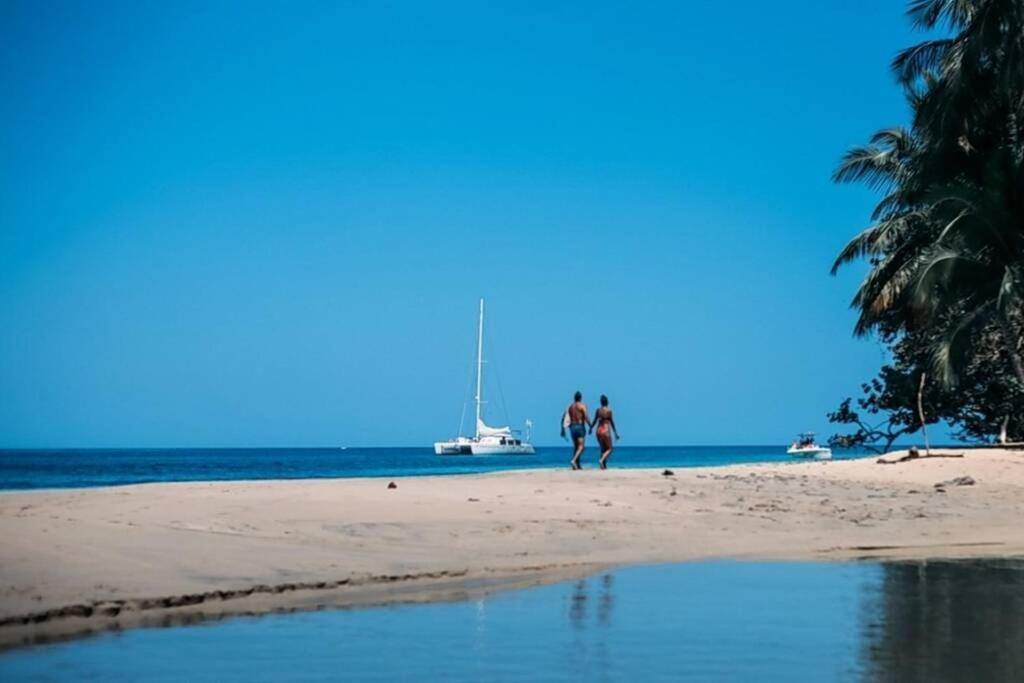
479 366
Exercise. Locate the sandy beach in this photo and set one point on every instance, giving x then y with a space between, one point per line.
78 561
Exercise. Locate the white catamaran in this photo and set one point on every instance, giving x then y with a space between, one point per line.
487 440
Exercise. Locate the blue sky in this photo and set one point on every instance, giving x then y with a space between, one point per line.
269 224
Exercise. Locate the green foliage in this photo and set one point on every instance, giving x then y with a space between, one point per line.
984 401
945 287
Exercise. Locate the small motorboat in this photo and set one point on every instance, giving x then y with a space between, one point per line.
805 447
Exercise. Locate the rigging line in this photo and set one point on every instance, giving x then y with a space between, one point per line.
466 394
501 393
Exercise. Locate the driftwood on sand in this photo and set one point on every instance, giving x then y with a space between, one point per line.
914 454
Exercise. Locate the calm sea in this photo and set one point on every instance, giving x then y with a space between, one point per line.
70 468
705 621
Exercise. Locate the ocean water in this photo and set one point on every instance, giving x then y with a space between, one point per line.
705 621
74 468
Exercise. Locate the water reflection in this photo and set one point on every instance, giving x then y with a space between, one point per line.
946 621
580 598
578 605
607 599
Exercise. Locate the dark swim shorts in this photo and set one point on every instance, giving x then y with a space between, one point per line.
578 430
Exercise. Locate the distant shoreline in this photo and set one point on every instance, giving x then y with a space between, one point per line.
76 561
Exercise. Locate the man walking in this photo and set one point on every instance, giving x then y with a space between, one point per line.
576 418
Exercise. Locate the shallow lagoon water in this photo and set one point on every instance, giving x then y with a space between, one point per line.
934 621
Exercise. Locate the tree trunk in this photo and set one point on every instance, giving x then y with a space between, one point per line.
1012 350
1018 366
920 412
1012 342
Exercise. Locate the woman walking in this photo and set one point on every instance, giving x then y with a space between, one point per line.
605 422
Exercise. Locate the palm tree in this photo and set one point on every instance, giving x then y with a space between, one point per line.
947 245
968 79
973 272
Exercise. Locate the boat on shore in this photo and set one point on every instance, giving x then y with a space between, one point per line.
805 447
486 440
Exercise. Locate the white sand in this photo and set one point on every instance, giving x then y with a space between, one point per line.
77 560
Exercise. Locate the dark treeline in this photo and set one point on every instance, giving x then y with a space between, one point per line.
945 246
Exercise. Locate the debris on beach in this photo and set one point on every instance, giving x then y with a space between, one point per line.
958 481
668 473
392 485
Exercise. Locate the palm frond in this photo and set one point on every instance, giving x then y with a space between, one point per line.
937 269
890 205
953 344
951 225
873 165
884 286
898 138
927 14
928 57
1010 295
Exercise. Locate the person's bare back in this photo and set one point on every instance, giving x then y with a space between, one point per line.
578 413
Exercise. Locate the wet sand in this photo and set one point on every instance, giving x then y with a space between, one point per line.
78 561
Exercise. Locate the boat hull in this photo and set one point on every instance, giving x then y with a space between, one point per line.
507 449
469 447
452 449
816 453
